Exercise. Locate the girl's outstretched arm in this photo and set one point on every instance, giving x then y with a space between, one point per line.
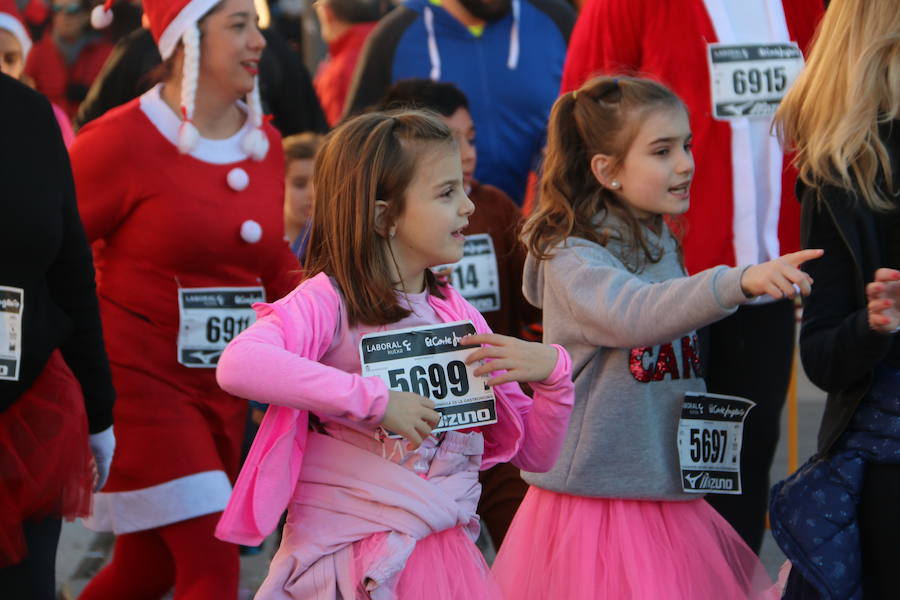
612 307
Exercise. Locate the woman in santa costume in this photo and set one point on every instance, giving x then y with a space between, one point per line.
181 190
730 61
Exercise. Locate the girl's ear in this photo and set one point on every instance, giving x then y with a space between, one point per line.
601 168
383 228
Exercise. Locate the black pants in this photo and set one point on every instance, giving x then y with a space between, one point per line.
749 355
35 577
879 528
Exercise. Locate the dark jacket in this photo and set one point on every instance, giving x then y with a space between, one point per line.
838 349
285 87
45 257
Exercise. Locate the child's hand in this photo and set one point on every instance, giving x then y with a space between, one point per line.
410 415
884 297
778 277
523 361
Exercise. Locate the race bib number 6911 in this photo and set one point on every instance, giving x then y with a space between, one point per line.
209 318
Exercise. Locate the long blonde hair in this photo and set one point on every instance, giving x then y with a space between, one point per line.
850 87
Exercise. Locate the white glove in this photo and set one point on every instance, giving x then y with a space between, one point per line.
103 445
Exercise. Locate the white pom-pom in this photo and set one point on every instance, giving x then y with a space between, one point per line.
256 144
101 18
251 231
188 137
238 180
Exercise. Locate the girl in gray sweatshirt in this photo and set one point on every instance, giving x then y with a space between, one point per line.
612 518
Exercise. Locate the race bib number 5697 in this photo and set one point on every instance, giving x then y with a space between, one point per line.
710 435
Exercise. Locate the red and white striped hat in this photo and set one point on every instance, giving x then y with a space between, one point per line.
11 21
172 21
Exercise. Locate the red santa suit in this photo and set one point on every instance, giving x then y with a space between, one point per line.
163 222
736 215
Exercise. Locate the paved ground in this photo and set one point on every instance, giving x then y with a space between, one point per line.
82 553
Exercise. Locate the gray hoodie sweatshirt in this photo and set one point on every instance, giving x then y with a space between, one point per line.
634 354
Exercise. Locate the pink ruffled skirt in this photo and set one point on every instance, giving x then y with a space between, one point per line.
443 566
573 547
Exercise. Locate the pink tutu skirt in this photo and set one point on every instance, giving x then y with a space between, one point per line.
573 547
443 566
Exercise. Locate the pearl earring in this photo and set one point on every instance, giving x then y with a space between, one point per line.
614 185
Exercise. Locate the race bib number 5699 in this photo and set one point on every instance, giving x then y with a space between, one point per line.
430 361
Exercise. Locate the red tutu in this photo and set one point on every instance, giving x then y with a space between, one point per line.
578 548
45 460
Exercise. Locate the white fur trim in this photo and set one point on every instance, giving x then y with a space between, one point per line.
755 235
168 123
100 17
15 27
176 500
189 15
238 180
251 231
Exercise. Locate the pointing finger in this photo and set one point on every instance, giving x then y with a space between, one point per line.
796 259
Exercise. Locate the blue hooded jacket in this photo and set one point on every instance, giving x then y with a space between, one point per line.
510 74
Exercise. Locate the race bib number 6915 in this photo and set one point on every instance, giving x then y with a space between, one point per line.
749 80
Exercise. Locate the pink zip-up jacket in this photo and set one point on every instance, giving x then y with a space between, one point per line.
275 361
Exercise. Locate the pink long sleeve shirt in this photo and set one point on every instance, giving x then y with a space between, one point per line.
277 361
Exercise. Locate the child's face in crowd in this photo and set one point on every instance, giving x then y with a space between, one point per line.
230 47
298 191
655 178
11 62
460 123
70 19
437 209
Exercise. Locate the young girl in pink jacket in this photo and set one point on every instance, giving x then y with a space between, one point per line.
370 516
